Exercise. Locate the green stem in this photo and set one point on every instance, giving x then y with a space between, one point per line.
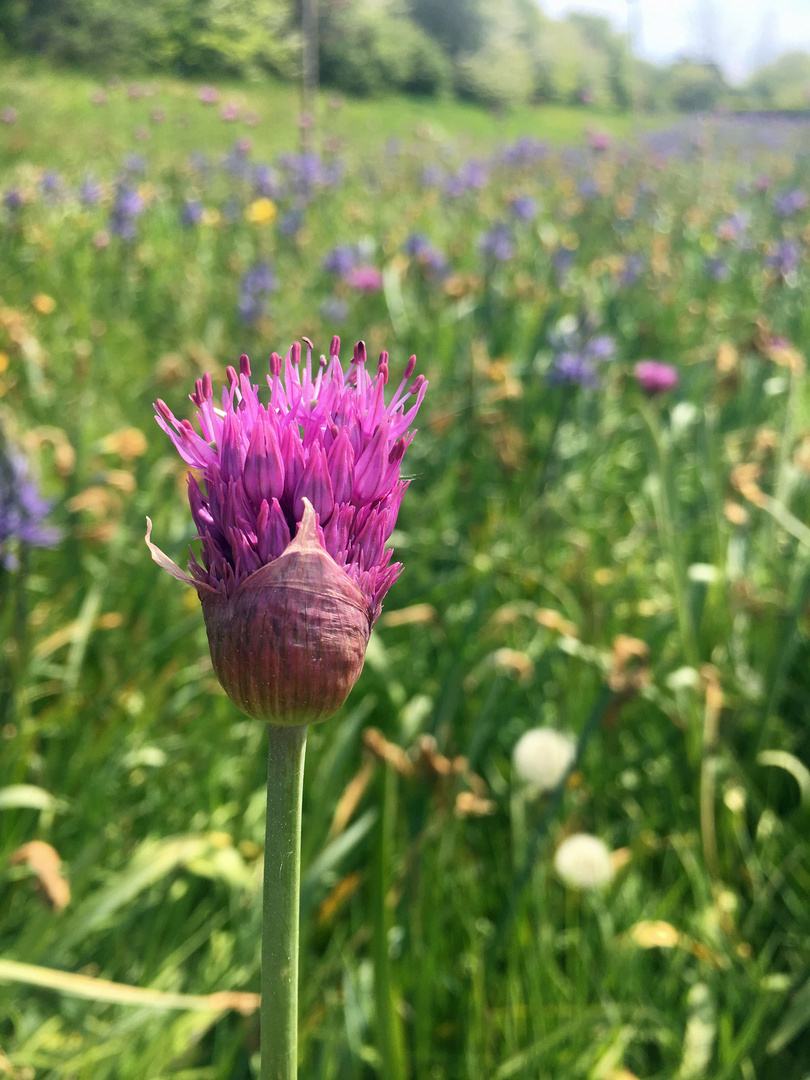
282 876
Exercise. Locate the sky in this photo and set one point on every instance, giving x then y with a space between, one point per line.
739 34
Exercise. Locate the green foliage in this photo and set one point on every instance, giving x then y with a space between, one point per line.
544 523
785 84
696 87
366 49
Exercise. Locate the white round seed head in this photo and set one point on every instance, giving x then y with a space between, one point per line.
583 862
543 756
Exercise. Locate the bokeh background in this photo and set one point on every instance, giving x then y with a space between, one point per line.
535 203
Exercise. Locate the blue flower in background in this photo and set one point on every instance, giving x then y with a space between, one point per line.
716 268
90 192
334 310
254 288
22 509
192 213
497 243
127 207
572 369
291 223
267 182
341 260
524 207
788 203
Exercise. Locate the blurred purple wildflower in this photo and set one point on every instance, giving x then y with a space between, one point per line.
267 182
788 203
523 207
784 257
632 269
191 213
525 151
254 288
341 260
90 192
291 223
366 279
9 115
655 377
327 437
22 509
497 243
127 207
208 95
716 268
13 199
572 369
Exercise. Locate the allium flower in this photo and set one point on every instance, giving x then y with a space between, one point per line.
583 862
655 377
543 756
296 501
22 509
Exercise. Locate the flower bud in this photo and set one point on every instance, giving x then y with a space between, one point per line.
288 644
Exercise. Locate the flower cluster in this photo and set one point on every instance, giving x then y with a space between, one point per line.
22 509
327 437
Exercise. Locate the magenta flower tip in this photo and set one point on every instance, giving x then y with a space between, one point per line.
325 438
655 377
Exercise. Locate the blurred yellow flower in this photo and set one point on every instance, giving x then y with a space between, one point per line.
3 361
261 212
655 933
43 303
211 217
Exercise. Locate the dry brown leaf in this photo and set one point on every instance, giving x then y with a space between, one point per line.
415 615
44 861
630 670
350 799
469 804
337 897
391 753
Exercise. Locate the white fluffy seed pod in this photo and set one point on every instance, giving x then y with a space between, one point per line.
542 757
583 862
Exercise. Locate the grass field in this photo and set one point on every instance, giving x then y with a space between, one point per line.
628 567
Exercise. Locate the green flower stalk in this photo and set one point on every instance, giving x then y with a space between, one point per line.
295 501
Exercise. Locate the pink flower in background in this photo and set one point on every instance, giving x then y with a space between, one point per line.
655 377
599 140
367 279
208 95
230 111
9 115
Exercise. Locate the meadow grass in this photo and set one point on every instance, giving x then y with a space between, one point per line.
548 522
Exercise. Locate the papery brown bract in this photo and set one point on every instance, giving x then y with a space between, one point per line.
288 645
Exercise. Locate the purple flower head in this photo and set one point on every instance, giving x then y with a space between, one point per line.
254 289
472 176
732 228
9 115
230 111
325 436
52 185
13 199
525 151
267 182
632 270
601 347
291 223
341 260
90 192
192 213
497 244
524 207
135 164
784 257
655 377
366 279
420 248
788 203
599 141
22 509
572 369
208 95
716 268
127 207
588 188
